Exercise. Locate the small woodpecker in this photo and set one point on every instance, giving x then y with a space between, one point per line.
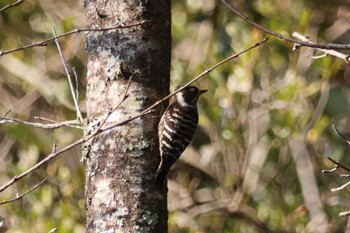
176 129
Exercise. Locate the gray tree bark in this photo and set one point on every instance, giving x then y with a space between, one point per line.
120 166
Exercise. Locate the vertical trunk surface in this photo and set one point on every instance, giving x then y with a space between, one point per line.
120 165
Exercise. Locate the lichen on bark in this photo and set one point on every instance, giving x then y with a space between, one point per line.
120 193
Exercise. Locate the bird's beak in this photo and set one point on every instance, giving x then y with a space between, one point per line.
202 91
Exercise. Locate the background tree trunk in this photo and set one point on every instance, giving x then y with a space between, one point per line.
120 193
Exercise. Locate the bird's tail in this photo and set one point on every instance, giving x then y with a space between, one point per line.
162 172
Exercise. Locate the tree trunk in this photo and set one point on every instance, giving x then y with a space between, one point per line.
120 186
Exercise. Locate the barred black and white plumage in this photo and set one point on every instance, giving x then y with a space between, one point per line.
176 129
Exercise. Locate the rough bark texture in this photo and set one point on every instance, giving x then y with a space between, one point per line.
120 167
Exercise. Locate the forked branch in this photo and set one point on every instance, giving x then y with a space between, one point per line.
283 37
23 194
11 5
338 165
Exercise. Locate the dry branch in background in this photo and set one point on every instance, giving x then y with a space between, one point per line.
74 93
23 194
338 165
283 37
325 51
11 5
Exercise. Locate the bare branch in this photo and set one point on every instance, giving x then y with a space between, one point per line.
76 83
126 94
336 166
340 134
280 36
325 51
54 148
344 214
23 194
53 125
100 130
53 230
334 169
242 213
11 5
8 112
79 115
339 164
44 42
341 187
315 57
38 165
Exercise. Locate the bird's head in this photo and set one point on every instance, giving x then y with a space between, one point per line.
188 96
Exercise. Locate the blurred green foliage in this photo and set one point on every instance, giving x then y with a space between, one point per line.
33 83
240 174
255 106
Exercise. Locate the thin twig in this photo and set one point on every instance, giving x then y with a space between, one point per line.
100 130
11 5
23 194
340 134
339 164
54 125
46 119
126 94
344 214
8 112
79 115
39 164
242 213
76 83
280 36
315 57
44 42
341 187
54 148
334 169
325 51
